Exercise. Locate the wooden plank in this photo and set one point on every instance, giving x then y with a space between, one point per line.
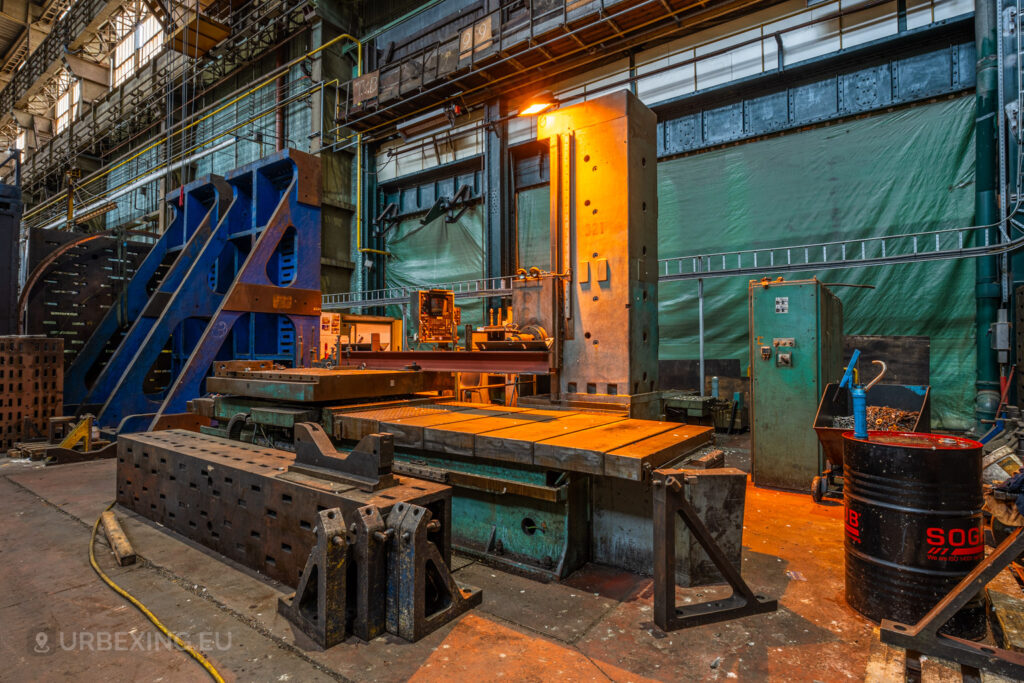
123 550
935 670
630 461
886 663
1009 612
515 444
584 451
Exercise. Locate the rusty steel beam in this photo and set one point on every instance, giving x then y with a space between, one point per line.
497 362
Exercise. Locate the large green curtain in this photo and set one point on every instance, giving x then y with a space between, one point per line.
905 171
435 253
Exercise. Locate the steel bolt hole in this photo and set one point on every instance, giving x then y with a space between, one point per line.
529 526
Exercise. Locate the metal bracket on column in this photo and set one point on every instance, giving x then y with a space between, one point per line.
318 607
669 501
422 594
924 636
367 466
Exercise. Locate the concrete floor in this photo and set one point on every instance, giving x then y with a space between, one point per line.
597 625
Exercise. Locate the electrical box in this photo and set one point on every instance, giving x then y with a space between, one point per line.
796 341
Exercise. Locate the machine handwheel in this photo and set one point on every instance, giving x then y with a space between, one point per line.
818 487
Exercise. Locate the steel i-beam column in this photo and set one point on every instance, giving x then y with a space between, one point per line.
987 291
499 255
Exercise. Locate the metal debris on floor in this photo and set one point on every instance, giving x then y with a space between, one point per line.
882 419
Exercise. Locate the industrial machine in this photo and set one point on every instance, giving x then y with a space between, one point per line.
561 478
540 487
796 338
437 316
368 552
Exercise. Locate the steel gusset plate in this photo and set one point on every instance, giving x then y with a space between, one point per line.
670 501
924 636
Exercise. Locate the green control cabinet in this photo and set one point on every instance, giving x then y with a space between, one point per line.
796 344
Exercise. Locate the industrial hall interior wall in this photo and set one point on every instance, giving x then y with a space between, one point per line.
898 170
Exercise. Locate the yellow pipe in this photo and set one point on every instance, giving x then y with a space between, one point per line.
285 67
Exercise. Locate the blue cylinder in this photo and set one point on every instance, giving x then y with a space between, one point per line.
860 412
714 386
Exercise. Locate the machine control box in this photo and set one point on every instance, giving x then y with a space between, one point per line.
806 345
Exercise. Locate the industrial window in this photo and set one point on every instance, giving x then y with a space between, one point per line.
66 108
139 44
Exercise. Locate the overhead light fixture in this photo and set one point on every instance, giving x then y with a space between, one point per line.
536 108
537 103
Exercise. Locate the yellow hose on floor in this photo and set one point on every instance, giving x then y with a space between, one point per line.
203 661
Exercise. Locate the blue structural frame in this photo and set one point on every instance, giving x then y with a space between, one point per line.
198 207
246 286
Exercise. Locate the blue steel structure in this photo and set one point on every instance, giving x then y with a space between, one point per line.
245 286
199 207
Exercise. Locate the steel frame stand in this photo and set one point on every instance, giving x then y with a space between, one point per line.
222 306
318 607
924 636
670 500
203 202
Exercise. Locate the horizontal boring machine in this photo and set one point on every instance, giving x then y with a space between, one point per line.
539 485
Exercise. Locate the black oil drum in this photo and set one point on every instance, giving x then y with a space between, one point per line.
913 525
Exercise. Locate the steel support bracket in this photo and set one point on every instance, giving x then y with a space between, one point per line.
924 636
371 545
670 500
422 594
318 607
367 466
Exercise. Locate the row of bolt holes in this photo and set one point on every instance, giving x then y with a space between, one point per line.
270 512
643 249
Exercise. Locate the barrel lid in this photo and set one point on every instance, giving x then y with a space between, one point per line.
939 442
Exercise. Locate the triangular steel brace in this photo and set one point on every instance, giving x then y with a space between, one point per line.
670 500
318 607
422 594
924 636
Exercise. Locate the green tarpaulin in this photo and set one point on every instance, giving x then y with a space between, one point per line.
435 253
900 172
906 171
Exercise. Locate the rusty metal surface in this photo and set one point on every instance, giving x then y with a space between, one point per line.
516 444
255 298
316 385
496 362
585 451
634 461
367 466
670 501
31 387
240 501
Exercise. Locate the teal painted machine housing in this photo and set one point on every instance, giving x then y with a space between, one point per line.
796 343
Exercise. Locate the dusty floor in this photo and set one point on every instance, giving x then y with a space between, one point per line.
597 625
